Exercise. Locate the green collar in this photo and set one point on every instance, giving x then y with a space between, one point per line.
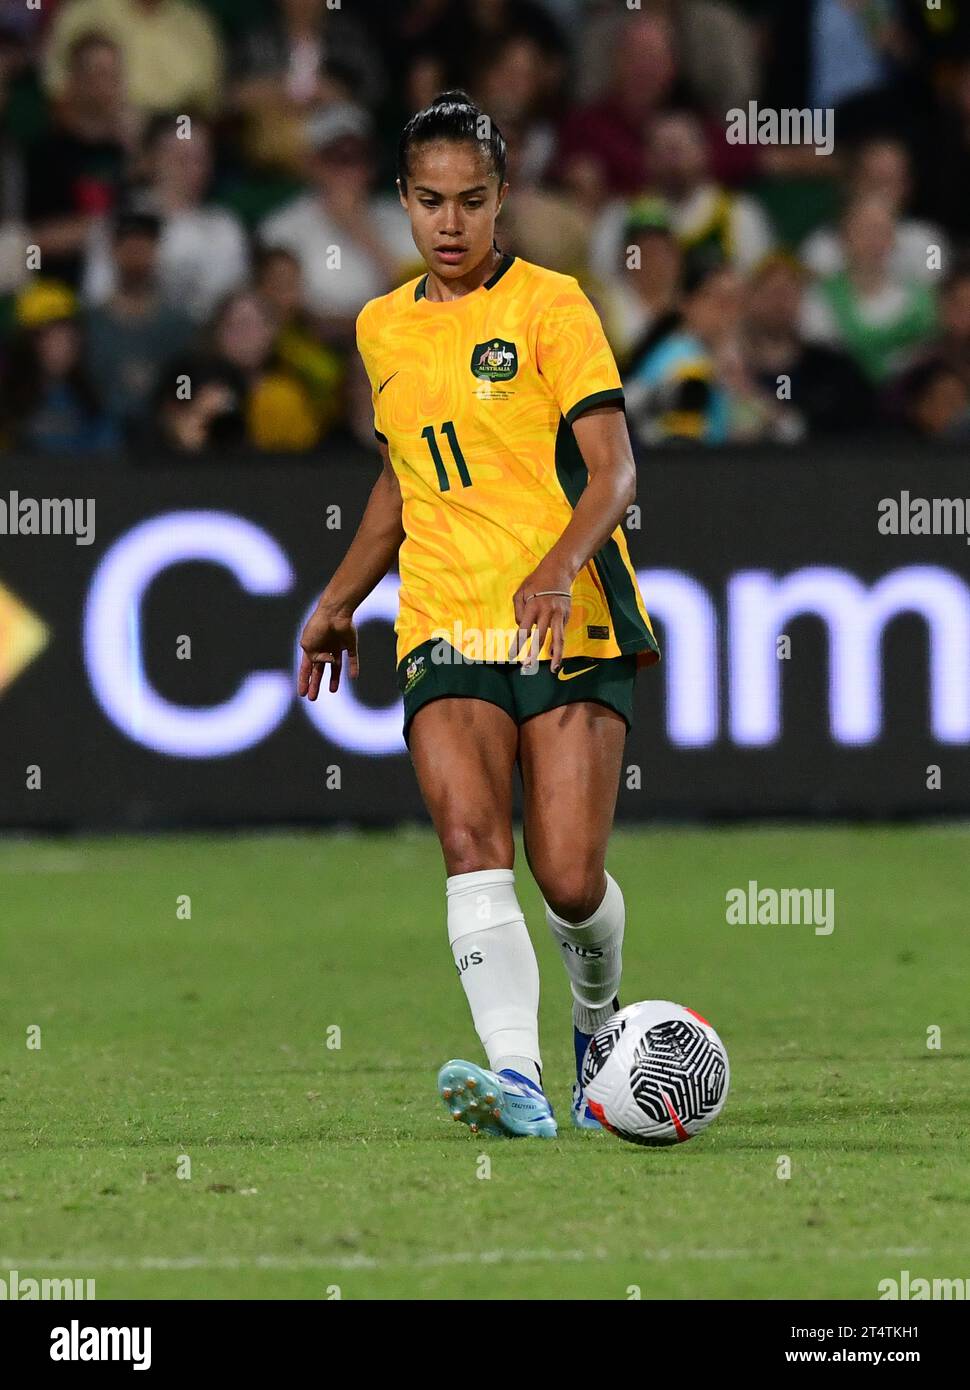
420 290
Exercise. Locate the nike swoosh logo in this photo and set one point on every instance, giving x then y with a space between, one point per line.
385 383
571 675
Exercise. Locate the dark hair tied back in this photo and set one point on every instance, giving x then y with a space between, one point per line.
455 118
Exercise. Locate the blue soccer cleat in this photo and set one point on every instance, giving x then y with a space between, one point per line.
504 1104
582 1116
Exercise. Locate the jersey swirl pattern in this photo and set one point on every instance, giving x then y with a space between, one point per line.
476 399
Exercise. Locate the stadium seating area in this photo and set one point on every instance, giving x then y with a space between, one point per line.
174 177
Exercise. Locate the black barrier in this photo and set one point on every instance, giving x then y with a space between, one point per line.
813 662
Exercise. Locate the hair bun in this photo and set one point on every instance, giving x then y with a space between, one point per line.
454 96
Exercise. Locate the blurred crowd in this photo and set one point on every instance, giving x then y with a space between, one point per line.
175 176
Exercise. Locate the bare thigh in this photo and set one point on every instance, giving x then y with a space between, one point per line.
464 755
571 760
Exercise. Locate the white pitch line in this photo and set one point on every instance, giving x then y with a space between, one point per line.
441 1260
68 862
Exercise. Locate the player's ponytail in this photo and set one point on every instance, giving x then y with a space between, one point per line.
453 117
454 96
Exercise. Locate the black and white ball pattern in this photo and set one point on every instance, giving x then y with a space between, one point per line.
656 1073
677 1064
602 1043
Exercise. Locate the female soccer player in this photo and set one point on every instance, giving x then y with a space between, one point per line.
507 472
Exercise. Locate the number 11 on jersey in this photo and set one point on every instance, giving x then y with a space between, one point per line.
448 430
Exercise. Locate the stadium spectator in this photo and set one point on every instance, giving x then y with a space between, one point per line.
350 244
707 218
716 48
852 48
945 156
676 392
134 332
48 404
75 175
881 167
947 353
953 342
305 56
25 22
938 34
813 389
240 393
537 222
843 55
22 114
602 145
936 402
207 421
203 252
640 299
298 347
424 79
513 86
171 50
569 13
456 34
475 25
14 235
878 317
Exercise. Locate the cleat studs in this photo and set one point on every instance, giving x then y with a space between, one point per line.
447 1093
472 1083
473 1128
456 1114
459 1089
496 1112
490 1099
473 1105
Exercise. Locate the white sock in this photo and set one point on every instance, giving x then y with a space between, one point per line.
592 952
497 965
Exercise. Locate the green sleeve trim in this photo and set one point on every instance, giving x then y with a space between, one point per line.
614 394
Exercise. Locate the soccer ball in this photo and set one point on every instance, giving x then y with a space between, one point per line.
655 1073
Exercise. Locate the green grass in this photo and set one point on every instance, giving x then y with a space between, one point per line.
313 1167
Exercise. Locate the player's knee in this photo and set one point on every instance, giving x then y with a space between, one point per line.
469 846
574 891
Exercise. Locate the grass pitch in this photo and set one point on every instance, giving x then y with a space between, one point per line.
315 1168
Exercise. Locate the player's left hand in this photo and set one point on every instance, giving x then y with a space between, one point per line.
539 612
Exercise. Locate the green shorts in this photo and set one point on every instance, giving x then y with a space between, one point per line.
424 676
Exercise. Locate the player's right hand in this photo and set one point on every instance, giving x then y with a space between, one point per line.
329 633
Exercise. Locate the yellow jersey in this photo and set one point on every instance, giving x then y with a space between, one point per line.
475 399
